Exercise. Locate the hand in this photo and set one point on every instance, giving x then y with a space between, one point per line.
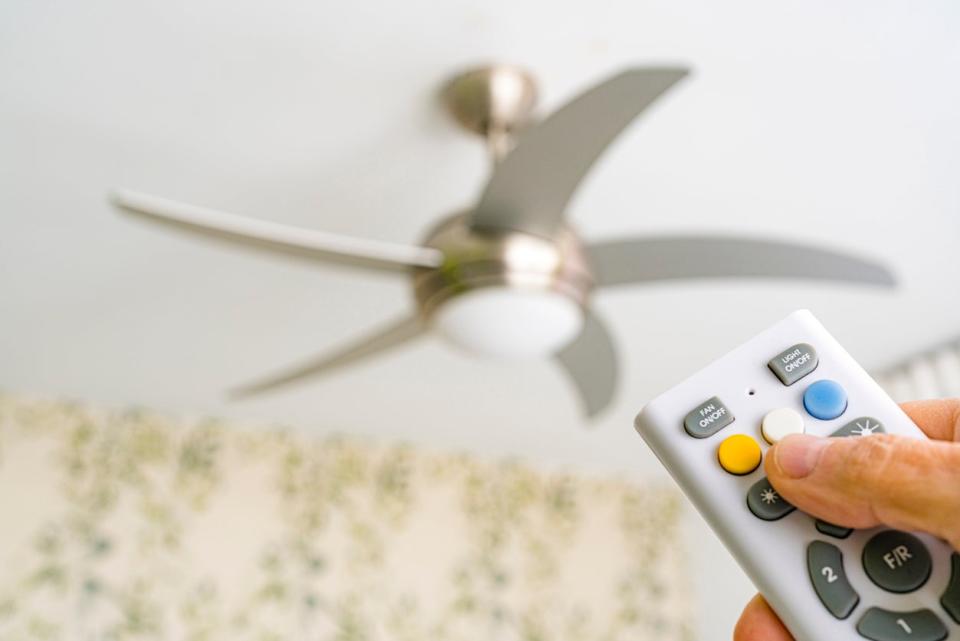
903 483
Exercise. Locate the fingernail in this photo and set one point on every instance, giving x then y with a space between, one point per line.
797 455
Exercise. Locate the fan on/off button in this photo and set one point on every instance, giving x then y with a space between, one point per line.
707 418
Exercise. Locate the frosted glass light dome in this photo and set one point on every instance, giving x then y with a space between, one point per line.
510 322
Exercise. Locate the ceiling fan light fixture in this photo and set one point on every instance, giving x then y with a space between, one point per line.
507 276
510 322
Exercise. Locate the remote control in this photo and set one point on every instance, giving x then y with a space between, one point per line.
826 582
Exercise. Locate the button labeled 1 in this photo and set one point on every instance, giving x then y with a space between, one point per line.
883 625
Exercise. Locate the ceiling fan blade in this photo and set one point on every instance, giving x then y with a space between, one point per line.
275 237
638 260
591 363
530 188
387 338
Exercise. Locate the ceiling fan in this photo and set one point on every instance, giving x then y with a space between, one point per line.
509 276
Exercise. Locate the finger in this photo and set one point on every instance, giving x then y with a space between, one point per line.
939 419
904 483
759 623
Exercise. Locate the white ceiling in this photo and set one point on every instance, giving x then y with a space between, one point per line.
828 122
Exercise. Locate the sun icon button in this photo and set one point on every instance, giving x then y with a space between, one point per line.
863 426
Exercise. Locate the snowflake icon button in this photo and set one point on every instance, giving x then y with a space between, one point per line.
766 503
863 426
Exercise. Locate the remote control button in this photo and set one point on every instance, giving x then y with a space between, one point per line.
766 503
883 625
897 561
708 418
951 598
863 426
825 400
794 363
739 454
833 530
780 423
825 565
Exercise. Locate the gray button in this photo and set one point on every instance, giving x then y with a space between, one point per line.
766 503
794 363
708 418
833 530
825 565
863 426
951 598
897 561
883 625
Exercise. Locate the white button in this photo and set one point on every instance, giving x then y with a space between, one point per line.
781 423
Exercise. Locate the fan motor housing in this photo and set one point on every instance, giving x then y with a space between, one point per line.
479 258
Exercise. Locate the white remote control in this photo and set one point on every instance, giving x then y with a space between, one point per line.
826 583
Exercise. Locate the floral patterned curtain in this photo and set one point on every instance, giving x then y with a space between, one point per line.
132 525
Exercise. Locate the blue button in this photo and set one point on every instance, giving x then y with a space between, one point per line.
825 400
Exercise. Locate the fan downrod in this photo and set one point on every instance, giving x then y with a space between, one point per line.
492 101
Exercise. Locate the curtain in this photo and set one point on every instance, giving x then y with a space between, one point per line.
121 525
934 374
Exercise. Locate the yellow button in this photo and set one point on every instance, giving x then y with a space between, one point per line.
739 454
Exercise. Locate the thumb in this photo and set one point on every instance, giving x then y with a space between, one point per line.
904 483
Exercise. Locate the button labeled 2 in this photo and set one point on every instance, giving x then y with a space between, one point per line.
825 565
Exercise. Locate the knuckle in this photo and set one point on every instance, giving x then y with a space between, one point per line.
869 460
869 472
956 419
952 466
906 481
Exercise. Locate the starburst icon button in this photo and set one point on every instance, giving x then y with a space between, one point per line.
863 426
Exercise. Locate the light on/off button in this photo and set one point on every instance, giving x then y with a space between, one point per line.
794 363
